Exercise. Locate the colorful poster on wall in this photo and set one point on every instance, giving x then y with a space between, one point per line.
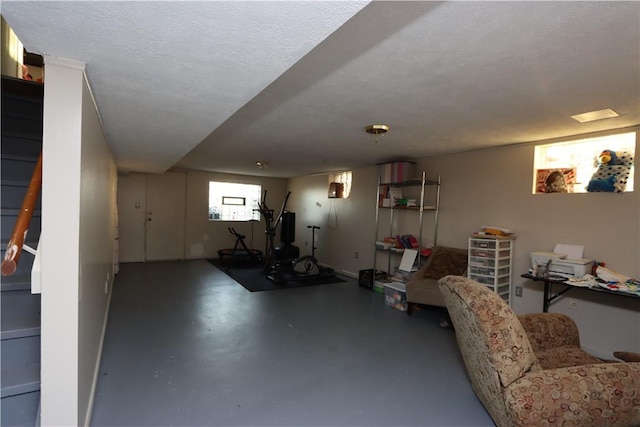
559 180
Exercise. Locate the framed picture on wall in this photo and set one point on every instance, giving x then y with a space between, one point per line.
559 180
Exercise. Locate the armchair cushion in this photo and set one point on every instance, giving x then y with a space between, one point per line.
550 330
555 340
605 394
561 357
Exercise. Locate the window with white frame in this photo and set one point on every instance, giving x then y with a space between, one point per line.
233 202
603 163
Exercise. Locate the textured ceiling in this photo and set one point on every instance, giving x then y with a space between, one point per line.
220 85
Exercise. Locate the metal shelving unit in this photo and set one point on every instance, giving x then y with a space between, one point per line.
429 203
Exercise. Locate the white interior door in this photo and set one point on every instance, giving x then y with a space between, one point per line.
132 215
165 220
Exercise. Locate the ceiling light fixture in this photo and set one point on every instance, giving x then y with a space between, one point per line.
261 165
592 116
376 130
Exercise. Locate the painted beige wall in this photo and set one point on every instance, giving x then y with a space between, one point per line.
347 225
203 238
60 248
98 178
493 187
78 230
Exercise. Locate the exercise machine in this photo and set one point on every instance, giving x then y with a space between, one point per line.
271 226
242 252
283 263
308 264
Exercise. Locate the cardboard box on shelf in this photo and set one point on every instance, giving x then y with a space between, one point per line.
397 171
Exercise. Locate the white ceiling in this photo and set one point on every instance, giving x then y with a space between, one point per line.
217 86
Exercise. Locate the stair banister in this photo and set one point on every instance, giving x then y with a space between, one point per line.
16 243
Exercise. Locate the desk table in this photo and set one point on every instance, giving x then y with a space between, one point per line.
550 296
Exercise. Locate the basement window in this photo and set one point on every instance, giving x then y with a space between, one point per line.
339 185
576 166
233 202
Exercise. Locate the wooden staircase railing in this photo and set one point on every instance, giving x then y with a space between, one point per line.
16 243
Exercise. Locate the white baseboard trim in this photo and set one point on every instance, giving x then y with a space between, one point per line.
349 274
96 371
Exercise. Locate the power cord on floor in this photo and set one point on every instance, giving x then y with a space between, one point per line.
332 206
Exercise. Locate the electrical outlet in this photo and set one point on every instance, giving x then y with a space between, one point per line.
572 304
519 291
355 254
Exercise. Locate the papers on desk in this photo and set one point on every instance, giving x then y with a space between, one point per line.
631 286
609 275
607 279
587 281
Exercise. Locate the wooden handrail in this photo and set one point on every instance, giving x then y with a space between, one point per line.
14 247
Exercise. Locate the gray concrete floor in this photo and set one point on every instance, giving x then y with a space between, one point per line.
187 346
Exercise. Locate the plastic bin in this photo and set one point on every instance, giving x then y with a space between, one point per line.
378 287
395 295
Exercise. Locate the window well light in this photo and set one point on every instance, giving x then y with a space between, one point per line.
592 116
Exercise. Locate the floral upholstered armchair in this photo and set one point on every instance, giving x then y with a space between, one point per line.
530 371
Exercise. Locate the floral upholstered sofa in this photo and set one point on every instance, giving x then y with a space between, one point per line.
530 371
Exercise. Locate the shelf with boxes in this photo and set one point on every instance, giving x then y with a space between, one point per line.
490 263
403 203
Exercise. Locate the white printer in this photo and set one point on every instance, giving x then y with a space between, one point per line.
560 265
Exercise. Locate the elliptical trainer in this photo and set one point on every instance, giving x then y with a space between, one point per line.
282 263
271 226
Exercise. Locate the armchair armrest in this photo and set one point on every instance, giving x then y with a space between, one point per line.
550 330
588 395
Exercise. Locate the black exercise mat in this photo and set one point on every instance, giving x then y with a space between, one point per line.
253 278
